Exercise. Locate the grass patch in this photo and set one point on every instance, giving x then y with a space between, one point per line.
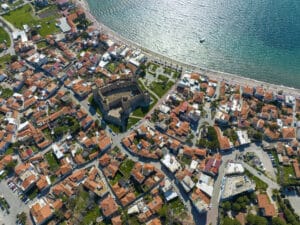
111 67
131 122
116 178
53 164
186 160
4 59
17 3
152 67
34 148
6 93
91 216
142 86
288 175
176 74
260 185
52 178
24 15
42 44
116 129
126 167
9 151
4 36
80 202
47 133
163 78
176 206
161 88
141 112
33 193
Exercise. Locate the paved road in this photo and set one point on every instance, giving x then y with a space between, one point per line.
9 29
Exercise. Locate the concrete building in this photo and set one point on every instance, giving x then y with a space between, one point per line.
234 168
235 185
171 163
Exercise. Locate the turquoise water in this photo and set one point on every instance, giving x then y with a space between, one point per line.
259 39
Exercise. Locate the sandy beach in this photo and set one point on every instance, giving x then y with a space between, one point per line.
212 74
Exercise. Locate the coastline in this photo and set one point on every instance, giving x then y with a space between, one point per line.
212 74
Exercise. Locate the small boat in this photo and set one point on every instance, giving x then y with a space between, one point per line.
202 40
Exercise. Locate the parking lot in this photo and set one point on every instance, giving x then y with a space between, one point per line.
265 160
294 199
11 195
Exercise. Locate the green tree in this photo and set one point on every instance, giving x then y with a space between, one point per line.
163 211
202 143
278 221
13 58
236 207
226 206
22 217
256 220
229 221
10 167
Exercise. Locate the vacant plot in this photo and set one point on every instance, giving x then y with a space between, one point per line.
126 167
48 11
53 164
24 15
4 37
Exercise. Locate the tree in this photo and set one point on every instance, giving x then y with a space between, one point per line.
10 167
226 206
59 215
163 211
22 217
256 220
229 221
257 135
34 32
259 106
278 221
236 207
13 58
202 143
273 127
214 105
143 70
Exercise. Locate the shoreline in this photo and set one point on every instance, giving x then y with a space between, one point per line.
210 73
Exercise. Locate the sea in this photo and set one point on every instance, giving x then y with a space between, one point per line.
258 39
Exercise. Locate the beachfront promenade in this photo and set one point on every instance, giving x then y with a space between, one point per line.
212 74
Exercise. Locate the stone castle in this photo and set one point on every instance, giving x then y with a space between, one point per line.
119 98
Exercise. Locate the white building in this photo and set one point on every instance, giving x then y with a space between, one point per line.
206 184
243 137
234 168
170 162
